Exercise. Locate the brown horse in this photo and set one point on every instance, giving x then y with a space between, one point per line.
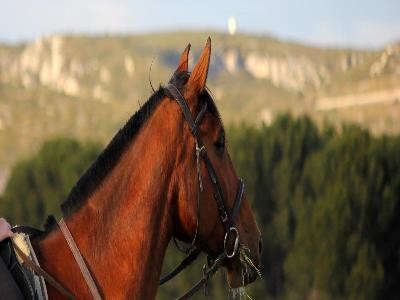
142 191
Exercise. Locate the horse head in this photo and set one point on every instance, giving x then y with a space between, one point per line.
199 212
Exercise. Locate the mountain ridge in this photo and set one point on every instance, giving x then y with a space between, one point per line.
88 86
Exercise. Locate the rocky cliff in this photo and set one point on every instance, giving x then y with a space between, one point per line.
56 62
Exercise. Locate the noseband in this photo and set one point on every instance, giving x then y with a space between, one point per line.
228 220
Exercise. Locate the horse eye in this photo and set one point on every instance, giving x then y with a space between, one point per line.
220 143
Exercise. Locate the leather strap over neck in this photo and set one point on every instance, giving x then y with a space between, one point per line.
79 260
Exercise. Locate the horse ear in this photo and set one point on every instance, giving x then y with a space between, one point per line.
198 78
183 61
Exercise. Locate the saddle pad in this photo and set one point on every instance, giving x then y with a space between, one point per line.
32 286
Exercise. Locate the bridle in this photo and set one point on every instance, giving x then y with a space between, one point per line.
228 220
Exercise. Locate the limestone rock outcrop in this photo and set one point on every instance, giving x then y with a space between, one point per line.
388 62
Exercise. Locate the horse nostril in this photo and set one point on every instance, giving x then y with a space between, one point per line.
260 245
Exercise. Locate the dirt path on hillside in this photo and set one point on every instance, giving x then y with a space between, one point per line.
385 96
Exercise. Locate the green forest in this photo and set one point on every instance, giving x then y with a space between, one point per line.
327 201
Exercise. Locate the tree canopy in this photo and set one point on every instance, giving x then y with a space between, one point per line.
38 185
327 202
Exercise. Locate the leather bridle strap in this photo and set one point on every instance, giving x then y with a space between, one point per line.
185 108
186 262
79 260
192 256
193 125
228 222
237 203
209 272
217 191
176 94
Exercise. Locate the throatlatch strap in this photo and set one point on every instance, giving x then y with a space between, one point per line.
79 260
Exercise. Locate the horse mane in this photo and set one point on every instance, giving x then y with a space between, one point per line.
107 160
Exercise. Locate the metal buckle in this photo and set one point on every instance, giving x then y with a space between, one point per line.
236 244
199 149
224 217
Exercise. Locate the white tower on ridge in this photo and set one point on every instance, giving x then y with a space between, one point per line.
232 25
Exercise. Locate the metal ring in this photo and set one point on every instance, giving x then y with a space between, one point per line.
236 244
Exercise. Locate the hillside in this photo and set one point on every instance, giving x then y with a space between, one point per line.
88 86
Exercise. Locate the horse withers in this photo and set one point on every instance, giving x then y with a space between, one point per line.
166 174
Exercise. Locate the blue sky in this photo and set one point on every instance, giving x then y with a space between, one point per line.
363 24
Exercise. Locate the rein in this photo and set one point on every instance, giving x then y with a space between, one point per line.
79 260
228 220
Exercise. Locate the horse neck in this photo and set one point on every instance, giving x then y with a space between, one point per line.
124 228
